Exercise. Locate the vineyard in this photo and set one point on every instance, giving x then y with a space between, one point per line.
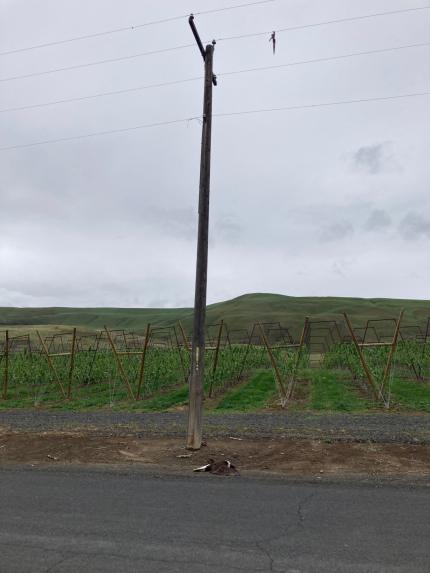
383 364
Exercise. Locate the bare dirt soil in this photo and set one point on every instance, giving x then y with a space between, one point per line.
289 457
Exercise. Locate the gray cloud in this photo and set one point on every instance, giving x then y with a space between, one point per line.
372 159
336 231
175 222
414 226
227 228
342 267
378 220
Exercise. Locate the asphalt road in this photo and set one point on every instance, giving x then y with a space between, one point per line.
70 520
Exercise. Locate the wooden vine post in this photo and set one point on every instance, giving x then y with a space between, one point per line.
184 336
292 381
369 376
215 364
248 346
6 366
120 366
142 361
392 351
50 363
185 372
72 365
281 386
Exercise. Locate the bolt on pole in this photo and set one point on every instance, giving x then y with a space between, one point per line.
194 433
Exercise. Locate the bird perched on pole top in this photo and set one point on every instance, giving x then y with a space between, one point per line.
273 40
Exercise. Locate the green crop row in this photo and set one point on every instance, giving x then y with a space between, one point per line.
97 373
411 358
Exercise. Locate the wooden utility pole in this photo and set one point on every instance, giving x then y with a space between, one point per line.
194 433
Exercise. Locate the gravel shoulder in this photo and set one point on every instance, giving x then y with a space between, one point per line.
375 427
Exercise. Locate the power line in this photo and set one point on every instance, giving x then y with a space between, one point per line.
319 105
184 46
327 59
96 63
129 28
100 133
232 7
222 74
325 23
225 114
100 94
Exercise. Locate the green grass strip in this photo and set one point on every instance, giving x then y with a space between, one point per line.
331 391
165 401
251 396
410 395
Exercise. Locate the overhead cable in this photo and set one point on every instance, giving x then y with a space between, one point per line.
319 105
100 133
100 94
184 46
96 63
129 28
327 59
222 74
221 114
324 23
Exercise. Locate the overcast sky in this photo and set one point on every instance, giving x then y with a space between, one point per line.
325 201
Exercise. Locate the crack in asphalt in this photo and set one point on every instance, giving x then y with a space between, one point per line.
299 524
267 554
54 566
301 506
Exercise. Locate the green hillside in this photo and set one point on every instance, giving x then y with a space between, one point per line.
238 313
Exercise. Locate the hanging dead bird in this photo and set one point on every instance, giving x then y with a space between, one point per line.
223 467
273 40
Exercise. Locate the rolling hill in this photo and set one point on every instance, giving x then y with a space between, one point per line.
238 313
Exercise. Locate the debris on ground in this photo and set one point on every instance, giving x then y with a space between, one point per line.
223 467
